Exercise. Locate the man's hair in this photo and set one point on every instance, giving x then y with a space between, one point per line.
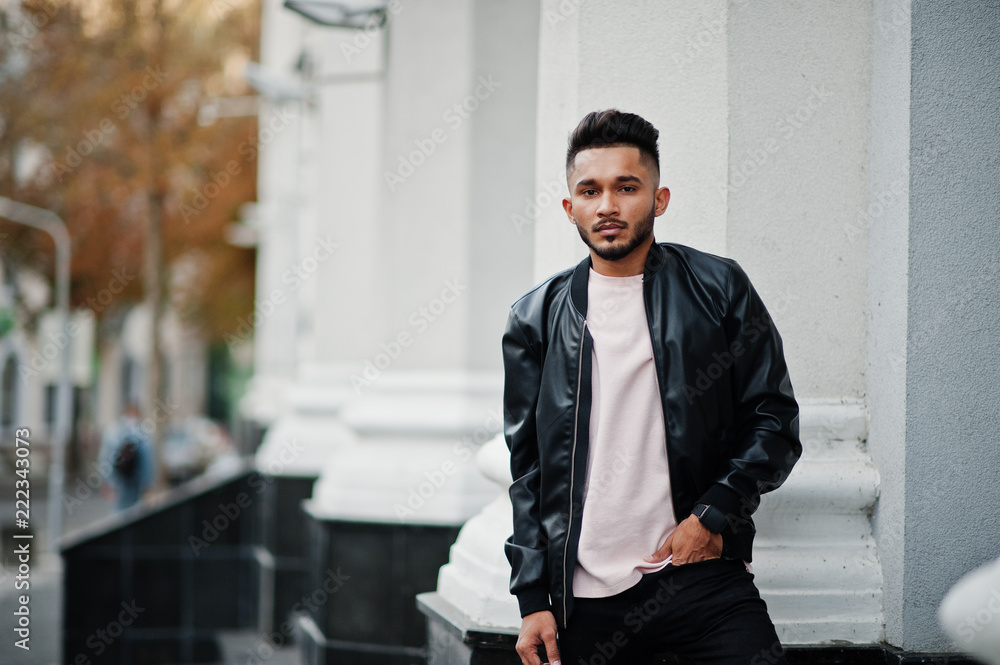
613 129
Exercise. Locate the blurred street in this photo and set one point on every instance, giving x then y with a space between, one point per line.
45 592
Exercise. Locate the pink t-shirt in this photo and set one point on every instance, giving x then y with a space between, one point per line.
628 510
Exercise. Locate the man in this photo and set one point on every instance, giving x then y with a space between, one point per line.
126 458
647 406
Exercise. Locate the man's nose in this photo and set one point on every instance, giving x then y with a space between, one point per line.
608 206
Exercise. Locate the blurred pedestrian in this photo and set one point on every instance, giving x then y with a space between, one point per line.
127 456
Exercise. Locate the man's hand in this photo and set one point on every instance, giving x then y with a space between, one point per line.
689 542
538 628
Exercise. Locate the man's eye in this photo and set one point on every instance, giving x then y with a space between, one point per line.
628 188
589 192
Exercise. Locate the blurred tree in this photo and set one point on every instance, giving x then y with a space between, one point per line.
99 122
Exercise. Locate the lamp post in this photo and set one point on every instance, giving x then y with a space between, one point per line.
48 221
343 14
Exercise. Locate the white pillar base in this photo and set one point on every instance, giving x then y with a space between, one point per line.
309 427
417 437
814 557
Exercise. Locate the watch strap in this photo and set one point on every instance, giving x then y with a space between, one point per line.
711 517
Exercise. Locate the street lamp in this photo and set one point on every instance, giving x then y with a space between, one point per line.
357 14
48 221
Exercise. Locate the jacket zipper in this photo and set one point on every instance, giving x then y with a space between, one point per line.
572 465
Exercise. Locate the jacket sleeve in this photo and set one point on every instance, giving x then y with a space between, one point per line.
765 443
526 549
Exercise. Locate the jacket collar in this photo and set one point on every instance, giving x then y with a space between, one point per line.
581 275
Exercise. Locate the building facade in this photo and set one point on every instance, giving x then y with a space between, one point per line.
843 153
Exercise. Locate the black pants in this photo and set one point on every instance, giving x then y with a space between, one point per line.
708 613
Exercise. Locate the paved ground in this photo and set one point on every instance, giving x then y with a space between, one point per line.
45 577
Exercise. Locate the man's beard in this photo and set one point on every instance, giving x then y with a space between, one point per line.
642 230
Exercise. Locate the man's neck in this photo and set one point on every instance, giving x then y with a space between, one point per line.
632 264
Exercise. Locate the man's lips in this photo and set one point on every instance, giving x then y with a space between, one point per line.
609 230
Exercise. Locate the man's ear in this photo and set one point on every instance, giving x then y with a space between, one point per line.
661 199
568 207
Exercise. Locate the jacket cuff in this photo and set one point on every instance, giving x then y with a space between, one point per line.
732 505
535 599
737 537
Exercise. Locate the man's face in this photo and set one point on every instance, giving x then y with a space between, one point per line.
613 200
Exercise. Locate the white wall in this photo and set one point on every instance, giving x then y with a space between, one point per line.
634 56
798 146
720 82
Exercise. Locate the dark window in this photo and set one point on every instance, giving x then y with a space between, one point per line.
131 382
8 393
51 398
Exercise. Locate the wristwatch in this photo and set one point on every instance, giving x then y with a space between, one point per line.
711 517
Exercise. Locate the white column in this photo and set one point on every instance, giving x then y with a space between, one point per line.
692 71
274 323
665 60
415 176
319 268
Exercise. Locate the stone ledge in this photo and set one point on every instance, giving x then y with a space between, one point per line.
470 635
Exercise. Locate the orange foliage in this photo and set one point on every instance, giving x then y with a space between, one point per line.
99 104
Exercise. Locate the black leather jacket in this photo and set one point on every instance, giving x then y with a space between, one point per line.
730 416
